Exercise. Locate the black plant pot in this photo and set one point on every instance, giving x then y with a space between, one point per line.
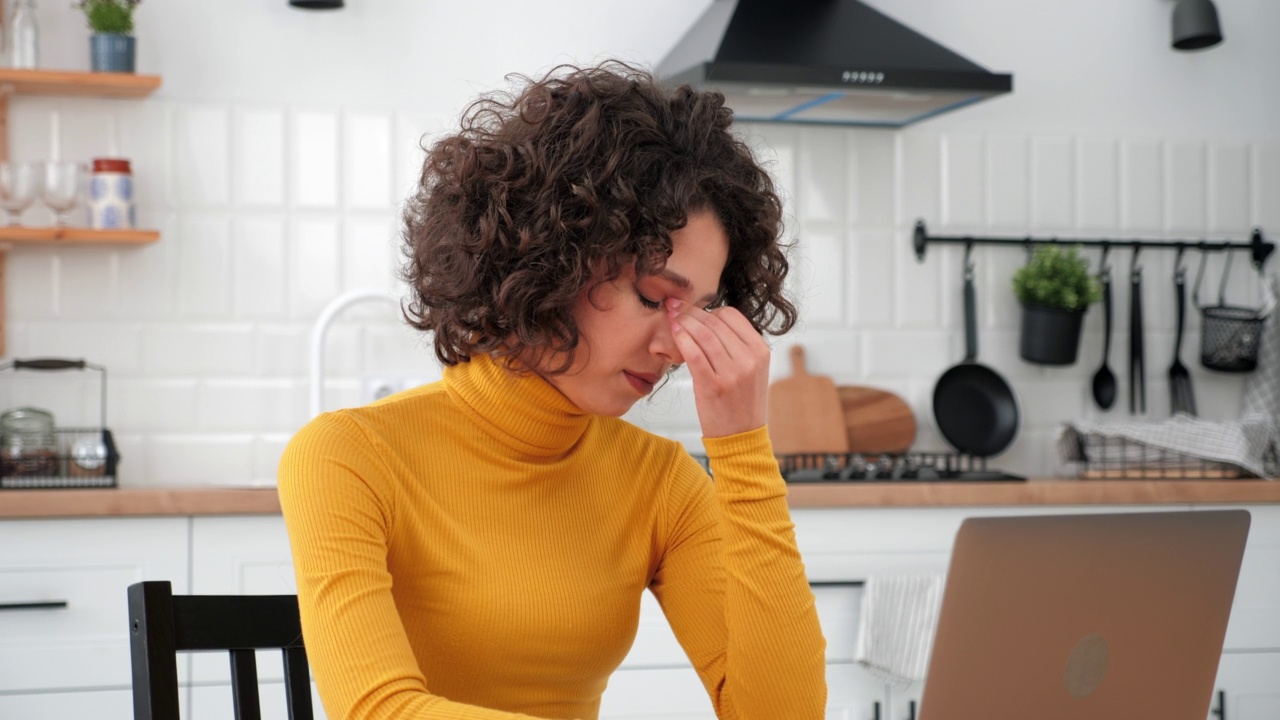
1050 336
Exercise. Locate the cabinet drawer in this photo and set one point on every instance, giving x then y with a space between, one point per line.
656 646
1255 611
98 705
240 555
213 702
1249 684
654 694
88 564
677 694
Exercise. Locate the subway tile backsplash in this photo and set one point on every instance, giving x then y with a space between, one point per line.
267 213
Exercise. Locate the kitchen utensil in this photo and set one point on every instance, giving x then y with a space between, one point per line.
876 421
1137 359
1182 398
1230 335
974 407
804 412
1104 381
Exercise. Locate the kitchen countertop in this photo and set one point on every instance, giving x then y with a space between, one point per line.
117 502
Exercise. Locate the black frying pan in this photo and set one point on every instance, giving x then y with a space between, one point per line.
974 407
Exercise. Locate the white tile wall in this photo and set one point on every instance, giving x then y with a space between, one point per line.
1097 184
367 143
203 156
313 153
1009 181
258 166
267 212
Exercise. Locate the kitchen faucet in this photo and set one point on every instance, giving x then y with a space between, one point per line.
321 327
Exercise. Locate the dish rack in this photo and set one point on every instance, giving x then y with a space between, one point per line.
81 457
1104 457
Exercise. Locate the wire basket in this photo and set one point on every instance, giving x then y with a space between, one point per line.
1229 338
85 458
1230 335
78 457
1107 457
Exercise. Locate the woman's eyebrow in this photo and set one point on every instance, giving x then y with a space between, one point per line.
683 283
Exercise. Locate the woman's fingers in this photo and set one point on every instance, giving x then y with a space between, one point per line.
730 367
710 335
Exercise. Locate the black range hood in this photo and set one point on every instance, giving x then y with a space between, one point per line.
835 62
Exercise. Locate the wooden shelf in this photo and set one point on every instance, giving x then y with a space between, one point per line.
22 235
63 83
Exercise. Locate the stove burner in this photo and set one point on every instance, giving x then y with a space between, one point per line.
905 467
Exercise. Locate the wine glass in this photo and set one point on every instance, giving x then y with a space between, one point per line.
62 187
17 189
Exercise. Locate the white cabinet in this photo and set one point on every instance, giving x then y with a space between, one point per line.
68 656
73 661
240 555
1248 687
1255 613
68 705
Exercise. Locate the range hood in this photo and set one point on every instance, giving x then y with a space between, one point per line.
835 62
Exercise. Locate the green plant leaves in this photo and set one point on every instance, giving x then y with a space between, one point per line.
109 16
1056 278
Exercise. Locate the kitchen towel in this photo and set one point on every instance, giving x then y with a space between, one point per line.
1262 387
897 624
1181 441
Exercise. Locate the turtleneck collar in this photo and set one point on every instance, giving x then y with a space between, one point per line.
524 411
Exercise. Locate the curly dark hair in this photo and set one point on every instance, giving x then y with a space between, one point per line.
556 188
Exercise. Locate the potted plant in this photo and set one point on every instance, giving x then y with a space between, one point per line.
1055 288
111 47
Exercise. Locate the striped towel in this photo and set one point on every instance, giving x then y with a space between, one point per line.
1262 387
1245 444
896 628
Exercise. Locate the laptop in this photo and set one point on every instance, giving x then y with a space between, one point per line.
1085 617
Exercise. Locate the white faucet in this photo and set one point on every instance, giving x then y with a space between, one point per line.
321 328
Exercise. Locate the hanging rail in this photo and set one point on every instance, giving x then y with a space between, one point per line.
1260 249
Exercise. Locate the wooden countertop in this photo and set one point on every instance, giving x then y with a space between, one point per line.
263 501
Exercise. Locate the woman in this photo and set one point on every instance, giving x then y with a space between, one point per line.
478 547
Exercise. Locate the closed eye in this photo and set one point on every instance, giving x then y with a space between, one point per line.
651 304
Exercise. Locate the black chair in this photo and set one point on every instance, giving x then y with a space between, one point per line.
163 625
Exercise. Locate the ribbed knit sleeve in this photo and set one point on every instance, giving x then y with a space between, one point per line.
339 502
734 589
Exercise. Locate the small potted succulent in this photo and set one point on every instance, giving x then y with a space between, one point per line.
111 47
1055 288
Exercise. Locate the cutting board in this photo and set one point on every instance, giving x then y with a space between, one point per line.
877 421
804 412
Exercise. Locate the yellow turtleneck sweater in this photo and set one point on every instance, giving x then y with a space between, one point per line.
477 548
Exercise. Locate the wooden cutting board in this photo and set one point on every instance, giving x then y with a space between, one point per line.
877 421
804 412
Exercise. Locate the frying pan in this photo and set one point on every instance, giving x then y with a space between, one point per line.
974 407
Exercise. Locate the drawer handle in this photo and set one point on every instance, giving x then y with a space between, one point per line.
35 605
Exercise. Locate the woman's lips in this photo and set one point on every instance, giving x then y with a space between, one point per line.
642 382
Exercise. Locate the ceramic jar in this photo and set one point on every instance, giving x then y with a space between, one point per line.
111 195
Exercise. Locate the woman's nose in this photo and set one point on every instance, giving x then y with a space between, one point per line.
663 342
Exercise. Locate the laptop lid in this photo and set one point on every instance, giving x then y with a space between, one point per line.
1088 617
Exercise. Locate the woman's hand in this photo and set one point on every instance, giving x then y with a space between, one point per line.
729 362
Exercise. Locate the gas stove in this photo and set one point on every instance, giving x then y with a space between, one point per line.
915 466
912 466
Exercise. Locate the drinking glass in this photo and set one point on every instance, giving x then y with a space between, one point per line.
63 182
17 189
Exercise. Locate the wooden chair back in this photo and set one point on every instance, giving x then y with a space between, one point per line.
163 624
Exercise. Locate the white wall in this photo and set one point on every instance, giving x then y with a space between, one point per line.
276 152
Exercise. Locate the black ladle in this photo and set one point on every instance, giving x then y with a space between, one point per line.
1104 381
